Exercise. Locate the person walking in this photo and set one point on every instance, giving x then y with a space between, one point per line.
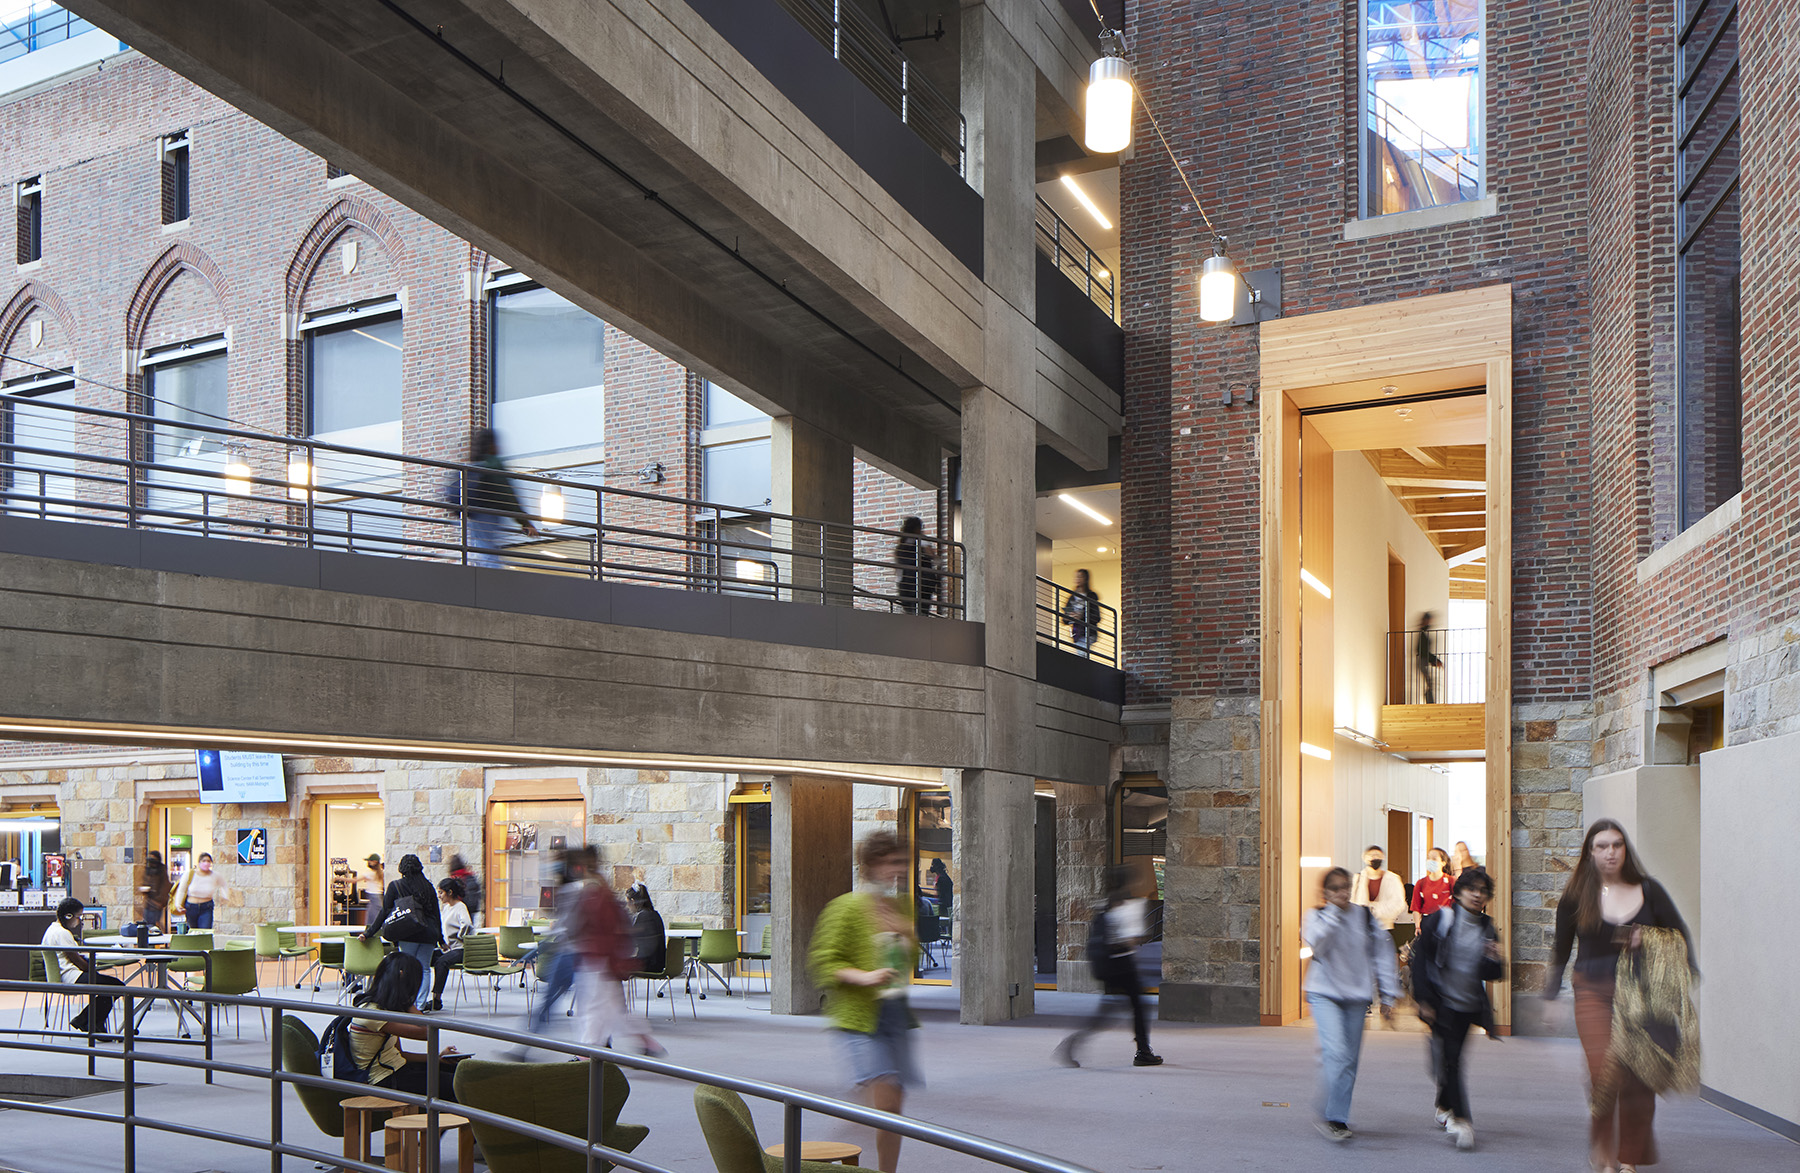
1461 861
1114 934
488 499
1379 890
1352 959
863 949
603 959
1607 911
918 582
411 905
1456 953
1082 613
155 889
556 970
471 887
1426 659
454 913
372 884
1433 891
199 892
375 1042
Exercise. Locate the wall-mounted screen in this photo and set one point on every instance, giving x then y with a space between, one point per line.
230 776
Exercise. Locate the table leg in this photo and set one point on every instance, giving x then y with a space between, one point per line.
465 1149
392 1143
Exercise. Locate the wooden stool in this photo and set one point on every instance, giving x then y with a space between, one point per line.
359 1123
821 1150
406 1140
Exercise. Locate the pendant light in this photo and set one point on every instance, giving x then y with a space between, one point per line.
1218 289
1109 105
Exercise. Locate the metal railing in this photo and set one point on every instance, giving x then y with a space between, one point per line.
131 1053
38 27
1450 166
148 959
1076 624
866 50
1075 260
63 462
1437 666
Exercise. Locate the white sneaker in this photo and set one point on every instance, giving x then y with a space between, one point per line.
1463 1133
1442 1117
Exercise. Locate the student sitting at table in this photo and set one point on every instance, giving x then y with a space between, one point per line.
375 1042
79 967
457 925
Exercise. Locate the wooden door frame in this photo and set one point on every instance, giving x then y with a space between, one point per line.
1467 328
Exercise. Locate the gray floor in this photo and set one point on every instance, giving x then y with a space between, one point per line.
1228 1099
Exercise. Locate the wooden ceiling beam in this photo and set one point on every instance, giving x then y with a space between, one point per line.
1424 506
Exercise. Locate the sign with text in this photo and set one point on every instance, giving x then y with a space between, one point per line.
231 776
253 845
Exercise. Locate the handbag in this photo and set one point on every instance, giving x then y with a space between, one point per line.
406 924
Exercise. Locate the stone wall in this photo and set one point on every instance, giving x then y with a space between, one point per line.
1081 855
1553 756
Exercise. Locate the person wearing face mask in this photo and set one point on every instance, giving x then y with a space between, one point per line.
1379 890
1433 892
1455 954
1352 960
198 893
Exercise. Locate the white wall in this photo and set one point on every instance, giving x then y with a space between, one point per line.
1366 782
1368 520
1749 953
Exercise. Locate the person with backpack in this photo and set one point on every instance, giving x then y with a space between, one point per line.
409 919
1114 934
1352 957
1455 954
471 887
373 1044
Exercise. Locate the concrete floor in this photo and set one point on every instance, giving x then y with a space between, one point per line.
1227 1099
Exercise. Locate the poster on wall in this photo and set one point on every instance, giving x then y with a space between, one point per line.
56 871
32 899
253 845
232 776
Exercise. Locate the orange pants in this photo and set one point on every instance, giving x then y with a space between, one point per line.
1623 1134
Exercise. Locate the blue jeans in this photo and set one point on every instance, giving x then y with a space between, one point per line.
424 951
486 532
199 916
559 976
1340 1029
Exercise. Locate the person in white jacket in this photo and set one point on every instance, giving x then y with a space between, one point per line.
1379 890
1352 961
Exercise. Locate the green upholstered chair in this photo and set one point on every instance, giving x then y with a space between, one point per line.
691 945
300 1056
234 972
331 956
731 1136
481 959
550 1095
765 955
516 941
718 947
673 970
360 960
272 944
190 942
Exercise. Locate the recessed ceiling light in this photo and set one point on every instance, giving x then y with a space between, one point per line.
1103 549
1389 389
1072 503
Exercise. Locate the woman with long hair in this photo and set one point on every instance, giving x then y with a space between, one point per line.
412 903
375 1042
198 893
1604 910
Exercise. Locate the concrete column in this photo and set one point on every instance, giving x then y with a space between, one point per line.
1081 855
994 812
811 865
812 475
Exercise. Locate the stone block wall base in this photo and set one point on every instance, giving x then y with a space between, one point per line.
1201 1002
1076 977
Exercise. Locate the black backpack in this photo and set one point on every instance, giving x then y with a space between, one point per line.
336 1059
1099 944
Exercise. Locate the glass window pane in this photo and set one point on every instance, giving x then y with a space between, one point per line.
353 375
30 478
1421 101
737 474
194 390
549 370
722 407
758 876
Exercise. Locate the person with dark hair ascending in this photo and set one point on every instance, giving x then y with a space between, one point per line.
454 912
1614 911
1120 927
375 1042
1456 952
412 904
64 937
489 499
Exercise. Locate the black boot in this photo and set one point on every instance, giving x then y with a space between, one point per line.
1147 1058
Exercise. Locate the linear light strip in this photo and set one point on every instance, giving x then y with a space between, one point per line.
1076 504
1081 197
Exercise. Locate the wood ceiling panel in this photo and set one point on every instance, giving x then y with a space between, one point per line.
1433 424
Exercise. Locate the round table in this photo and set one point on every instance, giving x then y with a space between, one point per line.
821 1150
404 1139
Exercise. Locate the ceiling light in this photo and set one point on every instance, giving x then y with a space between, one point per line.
1074 504
1103 549
1311 580
1081 197
1218 289
237 477
1109 105
550 504
1389 389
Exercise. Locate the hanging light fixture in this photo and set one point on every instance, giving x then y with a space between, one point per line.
550 504
1218 288
1109 99
300 477
237 476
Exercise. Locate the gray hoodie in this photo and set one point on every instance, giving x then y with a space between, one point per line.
1352 955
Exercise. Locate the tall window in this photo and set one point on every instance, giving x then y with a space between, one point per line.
353 388
549 371
28 197
1709 416
37 445
735 451
175 177
1421 104
186 386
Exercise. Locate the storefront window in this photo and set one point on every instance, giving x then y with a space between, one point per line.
755 867
524 840
934 867
31 849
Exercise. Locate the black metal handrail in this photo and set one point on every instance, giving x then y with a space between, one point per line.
1436 665
64 462
867 51
795 1103
1075 259
1091 627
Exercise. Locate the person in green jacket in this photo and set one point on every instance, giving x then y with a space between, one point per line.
864 950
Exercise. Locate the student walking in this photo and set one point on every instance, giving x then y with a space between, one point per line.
1617 914
1352 959
918 583
199 892
556 971
410 920
371 884
863 952
1432 892
1082 613
471 888
1378 889
155 889
1455 954
489 499
603 959
1115 933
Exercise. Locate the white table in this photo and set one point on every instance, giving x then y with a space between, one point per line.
319 931
160 980
694 935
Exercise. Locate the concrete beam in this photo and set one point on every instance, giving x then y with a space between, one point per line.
810 830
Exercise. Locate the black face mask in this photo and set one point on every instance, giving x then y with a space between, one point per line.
1375 864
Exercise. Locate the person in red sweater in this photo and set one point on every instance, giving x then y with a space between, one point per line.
1432 892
